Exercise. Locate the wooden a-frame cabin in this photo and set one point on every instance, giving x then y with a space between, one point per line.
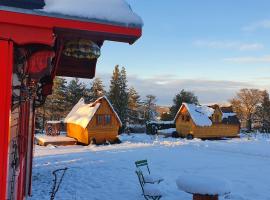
206 122
94 123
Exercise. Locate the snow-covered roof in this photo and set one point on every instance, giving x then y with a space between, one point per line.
160 122
199 114
115 11
81 114
53 122
226 115
47 139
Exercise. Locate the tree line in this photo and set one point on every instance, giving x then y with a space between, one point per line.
252 106
253 109
126 100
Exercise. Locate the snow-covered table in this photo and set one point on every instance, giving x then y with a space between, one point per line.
202 187
61 140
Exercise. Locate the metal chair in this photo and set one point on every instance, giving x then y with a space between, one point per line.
148 178
150 191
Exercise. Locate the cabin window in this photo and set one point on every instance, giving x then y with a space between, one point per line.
99 119
187 118
108 119
183 118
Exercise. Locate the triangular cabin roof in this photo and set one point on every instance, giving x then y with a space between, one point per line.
199 114
81 114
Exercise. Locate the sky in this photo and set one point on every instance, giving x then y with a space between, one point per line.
213 48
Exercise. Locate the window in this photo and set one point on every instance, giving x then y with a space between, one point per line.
104 120
187 118
99 119
108 119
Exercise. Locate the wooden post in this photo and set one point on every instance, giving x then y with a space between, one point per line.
6 63
204 197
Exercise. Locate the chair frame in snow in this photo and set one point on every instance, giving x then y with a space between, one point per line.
148 188
147 178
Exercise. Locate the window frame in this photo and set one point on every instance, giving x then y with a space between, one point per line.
99 120
107 116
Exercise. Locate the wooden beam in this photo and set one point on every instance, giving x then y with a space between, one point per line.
6 63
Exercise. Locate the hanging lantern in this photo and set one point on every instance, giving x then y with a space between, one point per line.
82 49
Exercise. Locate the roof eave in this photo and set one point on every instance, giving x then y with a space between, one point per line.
39 12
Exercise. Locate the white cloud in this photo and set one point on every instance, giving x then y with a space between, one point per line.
228 45
264 24
249 59
254 46
166 86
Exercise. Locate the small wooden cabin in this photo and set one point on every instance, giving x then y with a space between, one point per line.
95 123
206 122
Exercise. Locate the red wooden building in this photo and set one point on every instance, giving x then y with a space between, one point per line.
32 53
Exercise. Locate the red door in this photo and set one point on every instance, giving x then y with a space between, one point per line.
6 63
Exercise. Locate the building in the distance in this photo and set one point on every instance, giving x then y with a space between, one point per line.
206 122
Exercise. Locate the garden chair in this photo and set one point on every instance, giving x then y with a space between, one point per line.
147 177
150 191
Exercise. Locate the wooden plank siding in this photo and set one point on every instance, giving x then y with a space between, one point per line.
99 132
216 131
103 132
184 127
77 132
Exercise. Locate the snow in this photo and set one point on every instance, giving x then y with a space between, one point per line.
108 172
226 115
54 122
152 178
160 122
168 131
135 126
118 11
204 185
200 114
152 190
81 114
49 139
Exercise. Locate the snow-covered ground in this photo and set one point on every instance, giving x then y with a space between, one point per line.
108 172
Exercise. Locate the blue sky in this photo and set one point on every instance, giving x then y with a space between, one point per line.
210 47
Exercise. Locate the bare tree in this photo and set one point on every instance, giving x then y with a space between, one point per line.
245 104
149 105
263 112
